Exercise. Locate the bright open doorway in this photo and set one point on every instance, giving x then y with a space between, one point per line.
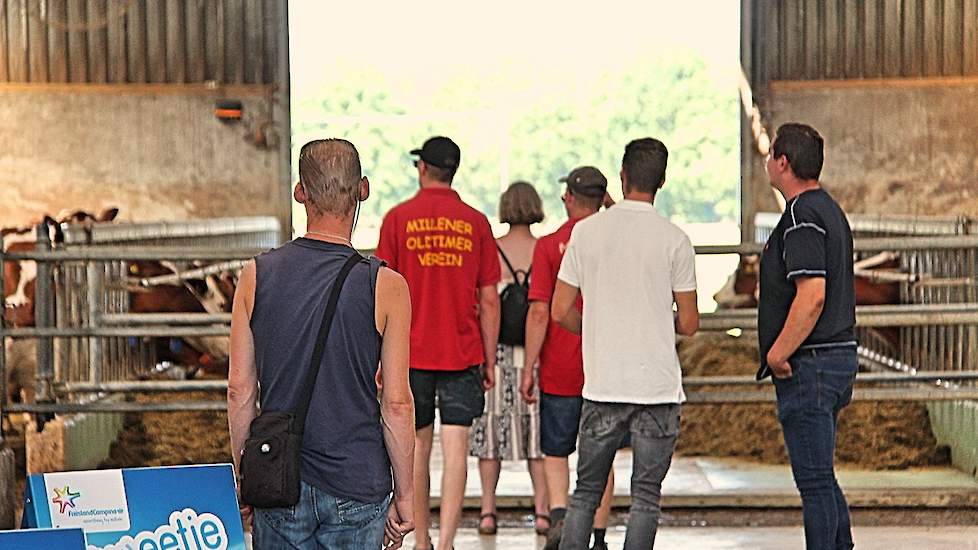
528 90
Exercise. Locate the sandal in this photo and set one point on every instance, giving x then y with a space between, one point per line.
487 529
541 530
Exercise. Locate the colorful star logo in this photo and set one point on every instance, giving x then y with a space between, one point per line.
65 498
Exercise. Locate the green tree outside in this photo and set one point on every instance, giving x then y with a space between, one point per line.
541 139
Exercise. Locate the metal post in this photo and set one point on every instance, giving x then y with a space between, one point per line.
43 313
93 278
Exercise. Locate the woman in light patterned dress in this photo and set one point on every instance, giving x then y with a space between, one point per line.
509 429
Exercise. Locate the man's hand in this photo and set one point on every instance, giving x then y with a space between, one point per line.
247 516
526 386
246 511
780 368
400 522
488 377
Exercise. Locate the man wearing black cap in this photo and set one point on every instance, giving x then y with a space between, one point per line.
559 353
445 250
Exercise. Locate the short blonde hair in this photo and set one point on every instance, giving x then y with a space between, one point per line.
520 205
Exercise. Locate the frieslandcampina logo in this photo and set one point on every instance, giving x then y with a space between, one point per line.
185 530
65 498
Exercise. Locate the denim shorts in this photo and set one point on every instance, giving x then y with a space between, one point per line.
560 419
459 395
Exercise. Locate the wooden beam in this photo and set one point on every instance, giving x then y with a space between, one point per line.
97 42
214 41
254 91
136 42
933 45
17 59
875 83
57 41
892 38
254 42
176 42
37 40
969 41
196 50
872 33
953 45
234 47
155 41
116 36
77 41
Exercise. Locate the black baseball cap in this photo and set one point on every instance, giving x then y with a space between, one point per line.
439 151
587 181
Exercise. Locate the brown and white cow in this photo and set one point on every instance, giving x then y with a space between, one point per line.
872 288
204 294
19 284
741 289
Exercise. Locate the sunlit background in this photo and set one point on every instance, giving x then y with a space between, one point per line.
528 90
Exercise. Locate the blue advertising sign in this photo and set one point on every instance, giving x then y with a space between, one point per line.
170 508
43 539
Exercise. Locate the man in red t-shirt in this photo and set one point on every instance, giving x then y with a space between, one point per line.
561 371
445 250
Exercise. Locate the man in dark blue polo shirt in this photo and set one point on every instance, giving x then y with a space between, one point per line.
806 322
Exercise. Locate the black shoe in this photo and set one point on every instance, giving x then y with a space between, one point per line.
600 546
553 536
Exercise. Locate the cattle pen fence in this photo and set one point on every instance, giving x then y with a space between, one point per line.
91 348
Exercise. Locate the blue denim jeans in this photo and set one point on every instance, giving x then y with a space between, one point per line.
321 521
808 408
653 429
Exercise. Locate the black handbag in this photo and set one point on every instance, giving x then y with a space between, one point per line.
270 459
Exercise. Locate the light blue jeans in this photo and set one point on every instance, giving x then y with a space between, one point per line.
321 521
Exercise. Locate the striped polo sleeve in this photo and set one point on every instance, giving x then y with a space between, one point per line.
804 242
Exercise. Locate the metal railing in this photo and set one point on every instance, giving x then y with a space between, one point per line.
935 327
97 325
85 332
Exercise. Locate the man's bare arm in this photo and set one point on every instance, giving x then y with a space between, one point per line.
393 312
804 313
489 325
537 319
687 314
562 308
242 372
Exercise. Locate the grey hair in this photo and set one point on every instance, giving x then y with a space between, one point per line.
329 170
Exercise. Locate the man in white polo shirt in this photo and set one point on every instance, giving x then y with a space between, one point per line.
631 265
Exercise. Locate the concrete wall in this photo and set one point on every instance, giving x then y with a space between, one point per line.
156 152
892 146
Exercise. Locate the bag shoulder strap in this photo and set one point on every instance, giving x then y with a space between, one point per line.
317 354
514 272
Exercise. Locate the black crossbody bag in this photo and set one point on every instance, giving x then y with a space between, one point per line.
270 460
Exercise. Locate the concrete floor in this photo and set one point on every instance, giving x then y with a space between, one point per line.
697 482
693 480
717 538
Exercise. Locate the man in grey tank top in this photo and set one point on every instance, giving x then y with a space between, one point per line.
357 449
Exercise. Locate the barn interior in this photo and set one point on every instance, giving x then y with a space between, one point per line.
147 150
